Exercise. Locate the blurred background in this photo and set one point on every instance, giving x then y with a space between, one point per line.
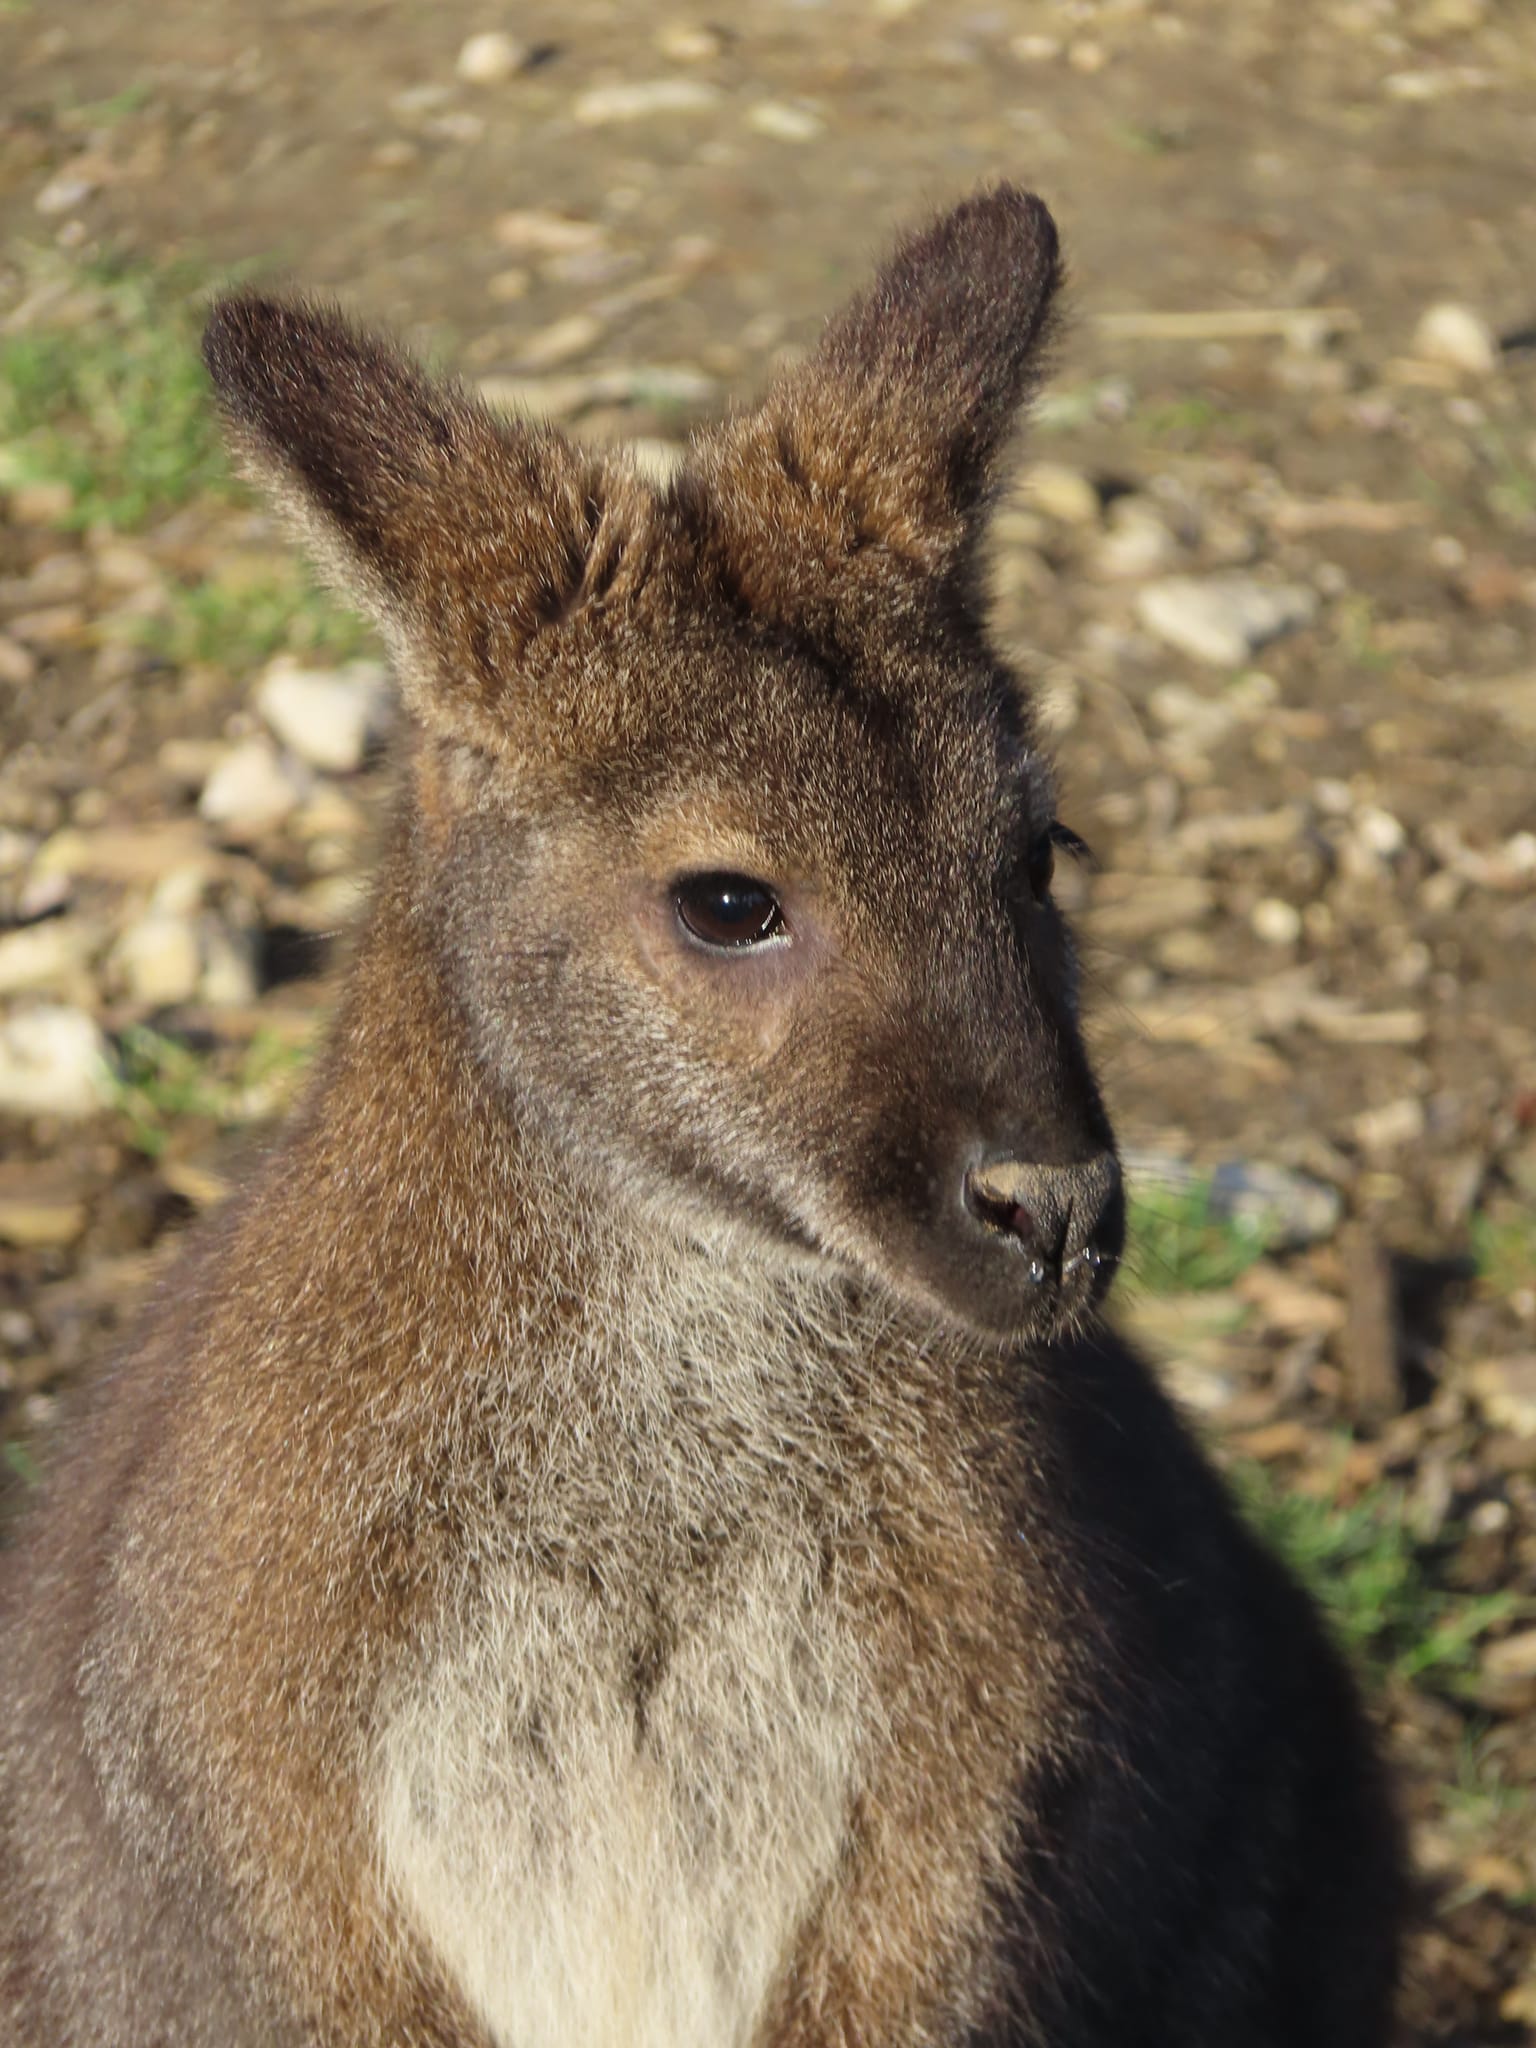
1269 557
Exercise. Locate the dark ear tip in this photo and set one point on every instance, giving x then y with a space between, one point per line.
253 343
233 335
1003 223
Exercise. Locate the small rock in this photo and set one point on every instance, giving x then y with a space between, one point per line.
229 979
1194 724
1379 832
1036 49
252 788
43 503
1128 908
1288 1305
18 665
1275 921
1222 620
1061 493
1139 542
53 625
528 231
1392 1126
16 850
490 58
1441 83
1287 1210
1087 56
118 854
1456 336
1512 698
784 121
689 42
53 1062
1505 1390
1449 17
606 105
40 1206
330 718
120 566
46 955
561 341
66 191
1514 1657
158 960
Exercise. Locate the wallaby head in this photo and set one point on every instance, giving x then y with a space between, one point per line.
730 824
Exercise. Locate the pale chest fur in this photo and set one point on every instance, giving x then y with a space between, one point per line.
614 1839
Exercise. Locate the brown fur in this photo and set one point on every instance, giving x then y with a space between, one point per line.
602 1543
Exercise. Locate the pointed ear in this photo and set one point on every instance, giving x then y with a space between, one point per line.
890 433
464 536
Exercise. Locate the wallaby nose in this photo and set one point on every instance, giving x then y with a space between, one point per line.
1061 1215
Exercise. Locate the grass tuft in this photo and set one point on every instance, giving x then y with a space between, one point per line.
1178 1243
162 1082
1374 1580
105 393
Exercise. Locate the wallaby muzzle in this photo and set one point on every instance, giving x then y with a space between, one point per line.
1067 1221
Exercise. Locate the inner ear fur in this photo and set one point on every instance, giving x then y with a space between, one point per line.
465 535
887 440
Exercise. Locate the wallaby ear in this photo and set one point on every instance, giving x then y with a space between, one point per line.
890 432
463 535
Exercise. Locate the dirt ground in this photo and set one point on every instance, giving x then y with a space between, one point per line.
1271 560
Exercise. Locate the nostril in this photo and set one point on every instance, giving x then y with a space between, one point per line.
1058 1213
996 1208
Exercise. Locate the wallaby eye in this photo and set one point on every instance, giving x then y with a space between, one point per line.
727 911
1040 864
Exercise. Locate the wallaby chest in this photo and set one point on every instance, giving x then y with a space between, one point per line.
610 1825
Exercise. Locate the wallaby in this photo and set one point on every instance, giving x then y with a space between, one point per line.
630 1533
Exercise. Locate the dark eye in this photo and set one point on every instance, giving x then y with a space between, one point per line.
1041 863
727 911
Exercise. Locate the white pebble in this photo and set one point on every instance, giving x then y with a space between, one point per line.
158 960
491 57
1222 620
253 787
1275 921
1379 832
605 105
785 122
53 1062
1455 335
689 42
328 717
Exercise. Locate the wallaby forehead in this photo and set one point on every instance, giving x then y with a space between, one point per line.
815 755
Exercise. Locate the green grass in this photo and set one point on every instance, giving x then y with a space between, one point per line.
19 1462
1504 1246
1482 1796
238 625
1177 1244
1374 1580
108 396
1358 630
1181 419
162 1082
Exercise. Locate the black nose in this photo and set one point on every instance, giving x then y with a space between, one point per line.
1063 1216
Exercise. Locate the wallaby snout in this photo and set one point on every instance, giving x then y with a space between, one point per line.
1069 1221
